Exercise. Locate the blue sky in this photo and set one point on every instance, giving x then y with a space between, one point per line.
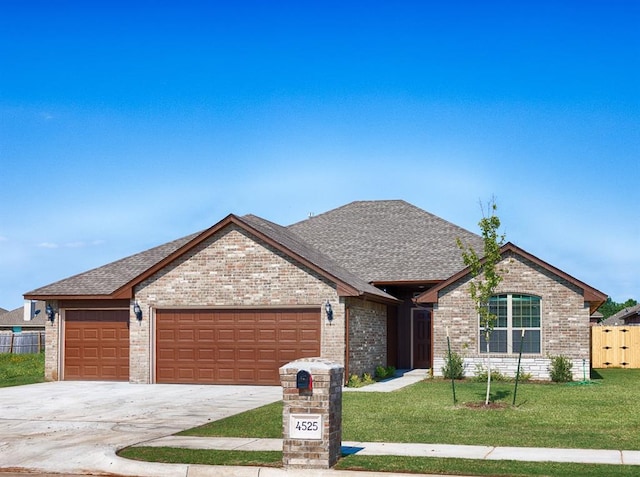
125 126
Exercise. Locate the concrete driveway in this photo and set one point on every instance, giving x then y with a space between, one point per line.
76 427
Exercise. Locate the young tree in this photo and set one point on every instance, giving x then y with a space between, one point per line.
486 275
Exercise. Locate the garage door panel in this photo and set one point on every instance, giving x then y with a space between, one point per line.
269 355
233 346
247 336
96 345
206 335
266 336
246 354
288 335
226 335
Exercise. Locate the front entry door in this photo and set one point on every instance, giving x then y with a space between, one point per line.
421 332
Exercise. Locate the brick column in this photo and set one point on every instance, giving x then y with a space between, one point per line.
312 418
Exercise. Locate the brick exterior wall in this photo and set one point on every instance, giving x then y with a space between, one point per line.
52 348
233 269
367 336
564 321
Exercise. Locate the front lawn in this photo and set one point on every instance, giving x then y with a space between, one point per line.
19 369
597 416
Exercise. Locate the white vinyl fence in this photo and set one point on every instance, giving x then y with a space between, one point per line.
21 343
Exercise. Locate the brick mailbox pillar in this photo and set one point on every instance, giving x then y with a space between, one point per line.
312 413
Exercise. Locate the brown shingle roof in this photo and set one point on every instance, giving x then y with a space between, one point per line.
103 281
295 244
389 240
16 317
108 279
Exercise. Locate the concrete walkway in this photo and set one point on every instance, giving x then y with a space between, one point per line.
403 379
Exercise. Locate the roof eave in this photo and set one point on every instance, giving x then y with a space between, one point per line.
52 296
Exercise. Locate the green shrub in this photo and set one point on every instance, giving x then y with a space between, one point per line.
524 377
454 366
481 375
354 381
385 373
367 379
560 369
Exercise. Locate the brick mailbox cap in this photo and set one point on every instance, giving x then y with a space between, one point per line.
312 365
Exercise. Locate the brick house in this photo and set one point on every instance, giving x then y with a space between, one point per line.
370 283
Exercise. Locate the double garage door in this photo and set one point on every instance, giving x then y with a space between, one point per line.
232 346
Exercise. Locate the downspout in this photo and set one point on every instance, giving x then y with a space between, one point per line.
346 340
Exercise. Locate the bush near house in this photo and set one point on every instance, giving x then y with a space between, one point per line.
560 369
454 366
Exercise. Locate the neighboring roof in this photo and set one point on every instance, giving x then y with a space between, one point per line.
623 316
388 241
591 295
117 279
16 317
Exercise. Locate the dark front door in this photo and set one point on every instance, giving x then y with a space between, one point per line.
421 338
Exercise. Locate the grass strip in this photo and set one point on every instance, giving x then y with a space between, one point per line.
418 465
433 465
171 455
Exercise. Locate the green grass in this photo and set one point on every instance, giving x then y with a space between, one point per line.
597 416
264 422
204 457
19 369
440 466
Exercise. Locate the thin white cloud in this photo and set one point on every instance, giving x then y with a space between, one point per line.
75 244
3 238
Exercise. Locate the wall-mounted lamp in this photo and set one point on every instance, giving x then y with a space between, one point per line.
51 313
329 311
137 311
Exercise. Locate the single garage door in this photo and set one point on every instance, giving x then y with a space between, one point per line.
96 345
232 346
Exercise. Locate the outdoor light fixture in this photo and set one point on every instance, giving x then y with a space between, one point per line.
329 311
51 314
137 311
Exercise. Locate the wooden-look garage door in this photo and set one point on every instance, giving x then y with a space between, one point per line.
96 345
232 346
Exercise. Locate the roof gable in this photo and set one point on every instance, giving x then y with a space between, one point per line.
118 279
388 241
591 295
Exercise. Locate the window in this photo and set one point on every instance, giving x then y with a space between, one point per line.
515 313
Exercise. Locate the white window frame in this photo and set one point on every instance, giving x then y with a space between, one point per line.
510 328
